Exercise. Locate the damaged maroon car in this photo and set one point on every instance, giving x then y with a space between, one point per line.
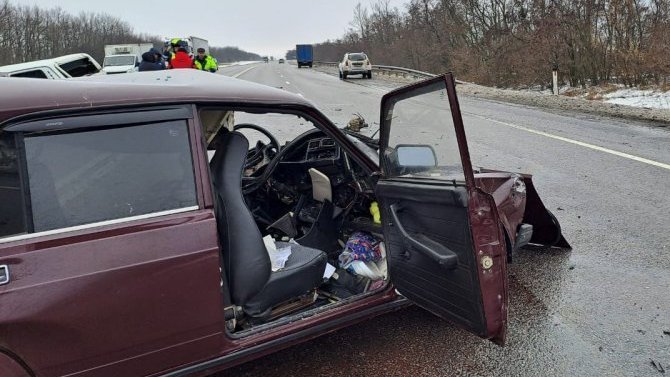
144 231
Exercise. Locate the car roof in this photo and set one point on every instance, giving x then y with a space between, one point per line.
44 62
20 96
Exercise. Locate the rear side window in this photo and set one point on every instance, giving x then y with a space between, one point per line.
34 74
357 57
79 67
78 178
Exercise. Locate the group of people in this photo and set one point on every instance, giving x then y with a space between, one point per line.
176 56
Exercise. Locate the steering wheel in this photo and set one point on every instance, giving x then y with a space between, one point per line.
273 140
257 154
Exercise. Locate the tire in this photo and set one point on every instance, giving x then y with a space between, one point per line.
344 75
299 66
340 72
369 75
310 65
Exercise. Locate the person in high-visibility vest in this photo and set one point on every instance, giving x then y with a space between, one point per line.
171 48
205 62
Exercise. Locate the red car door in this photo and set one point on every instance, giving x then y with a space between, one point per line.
111 260
445 244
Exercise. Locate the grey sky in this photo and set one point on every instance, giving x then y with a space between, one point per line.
263 26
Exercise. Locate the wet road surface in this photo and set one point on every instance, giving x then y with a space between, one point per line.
600 309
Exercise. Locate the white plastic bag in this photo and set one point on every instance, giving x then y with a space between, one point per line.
278 257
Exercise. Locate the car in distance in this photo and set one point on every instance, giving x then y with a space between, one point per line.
126 250
355 63
281 61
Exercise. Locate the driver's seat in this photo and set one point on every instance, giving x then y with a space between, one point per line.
252 283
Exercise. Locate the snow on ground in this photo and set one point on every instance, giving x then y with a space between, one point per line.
639 98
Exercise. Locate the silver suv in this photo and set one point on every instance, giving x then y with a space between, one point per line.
355 63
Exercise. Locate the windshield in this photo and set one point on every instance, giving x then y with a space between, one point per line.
357 57
112 61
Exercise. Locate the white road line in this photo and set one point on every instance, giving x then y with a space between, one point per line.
288 83
576 142
243 72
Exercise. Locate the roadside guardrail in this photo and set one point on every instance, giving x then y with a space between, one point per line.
389 70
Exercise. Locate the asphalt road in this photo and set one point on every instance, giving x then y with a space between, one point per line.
600 309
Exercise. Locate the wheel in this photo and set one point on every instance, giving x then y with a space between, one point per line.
344 75
310 65
299 65
340 72
369 74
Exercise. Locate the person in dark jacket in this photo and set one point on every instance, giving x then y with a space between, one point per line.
151 62
181 58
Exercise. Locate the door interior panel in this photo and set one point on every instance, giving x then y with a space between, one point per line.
437 213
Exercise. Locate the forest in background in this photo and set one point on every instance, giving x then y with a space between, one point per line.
33 33
514 43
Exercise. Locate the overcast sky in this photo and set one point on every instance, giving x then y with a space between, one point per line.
267 27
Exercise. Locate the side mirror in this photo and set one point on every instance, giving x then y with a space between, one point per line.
417 157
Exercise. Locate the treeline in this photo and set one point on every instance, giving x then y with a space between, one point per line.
516 42
232 54
32 33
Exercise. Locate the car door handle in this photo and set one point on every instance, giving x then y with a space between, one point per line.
435 251
4 274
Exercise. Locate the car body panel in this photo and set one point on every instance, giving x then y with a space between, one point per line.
105 296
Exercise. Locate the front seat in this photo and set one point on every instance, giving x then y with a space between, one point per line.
253 285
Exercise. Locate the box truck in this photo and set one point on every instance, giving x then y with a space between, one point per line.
305 55
123 58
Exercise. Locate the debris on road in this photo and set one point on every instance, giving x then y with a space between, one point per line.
356 123
657 366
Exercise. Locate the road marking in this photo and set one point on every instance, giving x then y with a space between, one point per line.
288 83
576 142
243 72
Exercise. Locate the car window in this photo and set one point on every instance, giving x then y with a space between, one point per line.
12 216
121 60
34 74
357 57
79 67
85 177
422 138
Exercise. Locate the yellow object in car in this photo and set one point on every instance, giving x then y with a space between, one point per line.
374 211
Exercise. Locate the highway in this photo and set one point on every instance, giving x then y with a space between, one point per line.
600 309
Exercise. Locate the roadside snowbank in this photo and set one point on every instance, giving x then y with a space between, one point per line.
650 99
661 116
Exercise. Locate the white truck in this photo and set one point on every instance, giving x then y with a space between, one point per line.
197 43
123 58
194 43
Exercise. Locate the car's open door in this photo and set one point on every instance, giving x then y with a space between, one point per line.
445 245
